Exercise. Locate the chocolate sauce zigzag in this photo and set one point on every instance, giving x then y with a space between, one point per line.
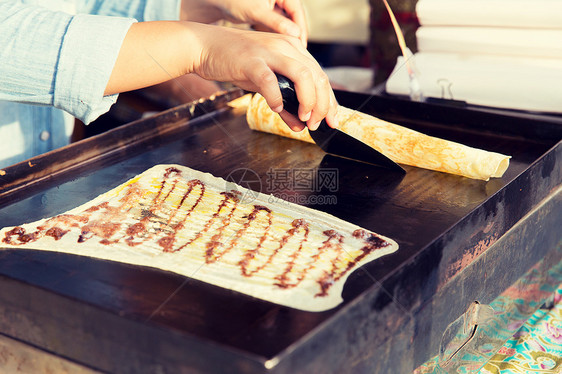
179 215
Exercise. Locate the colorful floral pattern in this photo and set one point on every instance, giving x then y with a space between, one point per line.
536 347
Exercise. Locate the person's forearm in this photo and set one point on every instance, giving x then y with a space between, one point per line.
153 52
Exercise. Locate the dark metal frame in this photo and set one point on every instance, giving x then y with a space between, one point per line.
460 240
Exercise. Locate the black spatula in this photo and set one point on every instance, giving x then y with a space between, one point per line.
334 141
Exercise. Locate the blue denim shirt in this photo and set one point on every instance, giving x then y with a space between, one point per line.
56 57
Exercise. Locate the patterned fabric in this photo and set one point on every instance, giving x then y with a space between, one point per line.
536 347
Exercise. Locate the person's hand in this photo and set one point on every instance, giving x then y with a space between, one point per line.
249 59
154 52
282 16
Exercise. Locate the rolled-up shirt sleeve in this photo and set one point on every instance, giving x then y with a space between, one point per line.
63 60
53 58
88 52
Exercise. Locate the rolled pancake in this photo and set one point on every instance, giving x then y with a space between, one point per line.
192 223
400 144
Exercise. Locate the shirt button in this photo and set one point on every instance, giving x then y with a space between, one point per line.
44 136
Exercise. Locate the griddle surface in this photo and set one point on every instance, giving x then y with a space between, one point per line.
414 209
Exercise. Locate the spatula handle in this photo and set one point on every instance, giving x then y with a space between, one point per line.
290 100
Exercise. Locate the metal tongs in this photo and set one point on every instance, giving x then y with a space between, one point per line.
334 141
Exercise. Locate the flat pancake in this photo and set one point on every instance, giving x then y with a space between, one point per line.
400 144
192 223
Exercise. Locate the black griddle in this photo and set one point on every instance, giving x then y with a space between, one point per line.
460 240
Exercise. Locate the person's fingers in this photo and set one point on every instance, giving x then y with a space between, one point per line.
264 55
314 93
322 103
332 116
293 122
302 70
278 22
313 89
295 12
265 82
305 88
